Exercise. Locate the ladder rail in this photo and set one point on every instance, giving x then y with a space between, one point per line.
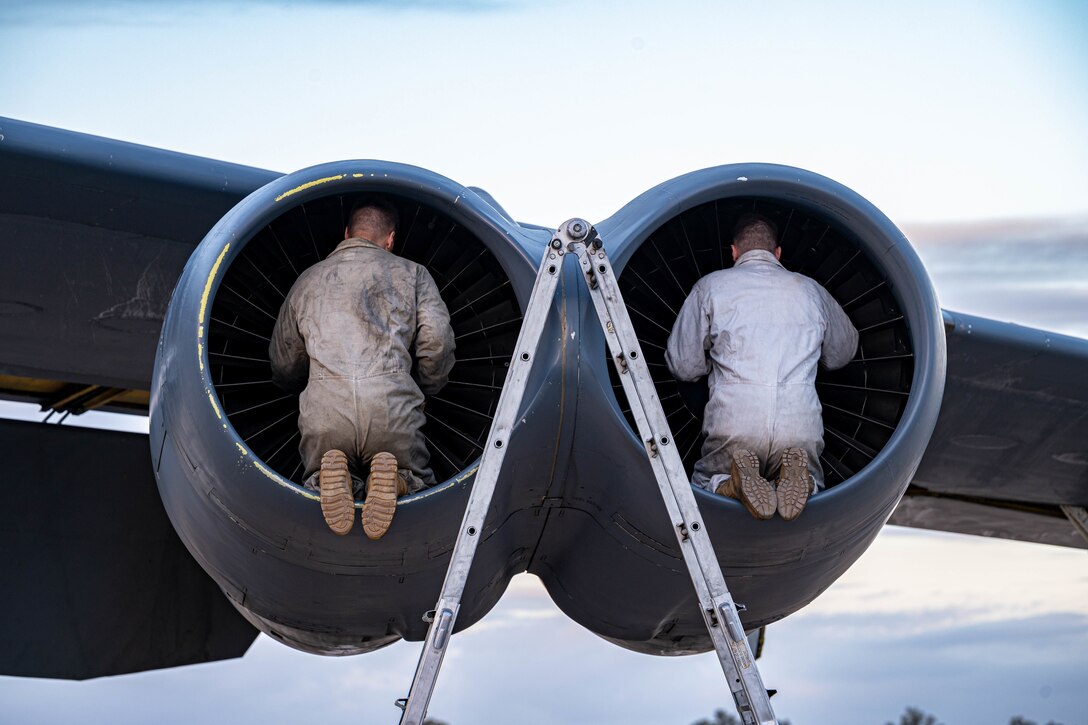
718 608
444 616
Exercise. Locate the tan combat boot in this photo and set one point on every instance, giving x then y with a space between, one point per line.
746 485
383 488
337 504
794 483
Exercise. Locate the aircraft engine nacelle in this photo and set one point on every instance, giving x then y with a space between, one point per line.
576 501
879 411
225 439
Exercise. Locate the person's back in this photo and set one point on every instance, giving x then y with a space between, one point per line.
768 324
760 331
358 311
347 331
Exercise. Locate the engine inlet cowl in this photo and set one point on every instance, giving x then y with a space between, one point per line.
878 412
225 437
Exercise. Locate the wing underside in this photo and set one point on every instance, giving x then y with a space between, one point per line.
102 584
94 234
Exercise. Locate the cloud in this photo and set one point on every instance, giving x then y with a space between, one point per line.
898 577
975 673
1032 274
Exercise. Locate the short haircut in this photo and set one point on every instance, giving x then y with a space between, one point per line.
375 216
754 231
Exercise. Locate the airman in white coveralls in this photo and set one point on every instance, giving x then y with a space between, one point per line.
347 332
759 331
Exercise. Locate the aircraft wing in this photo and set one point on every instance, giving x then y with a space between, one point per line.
94 233
1011 445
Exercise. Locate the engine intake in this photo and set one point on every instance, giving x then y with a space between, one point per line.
483 307
879 411
862 402
225 438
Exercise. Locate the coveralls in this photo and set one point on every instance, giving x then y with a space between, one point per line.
346 331
759 331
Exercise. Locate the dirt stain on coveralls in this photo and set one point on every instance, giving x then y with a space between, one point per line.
347 331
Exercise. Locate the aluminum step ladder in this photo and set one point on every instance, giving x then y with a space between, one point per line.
719 611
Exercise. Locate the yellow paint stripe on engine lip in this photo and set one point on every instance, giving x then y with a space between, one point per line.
200 319
215 406
208 289
309 185
200 322
210 389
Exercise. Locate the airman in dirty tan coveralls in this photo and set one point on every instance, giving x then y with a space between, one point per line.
759 331
347 332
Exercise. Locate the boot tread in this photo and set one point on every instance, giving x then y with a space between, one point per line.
334 481
381 495
749 487
794 483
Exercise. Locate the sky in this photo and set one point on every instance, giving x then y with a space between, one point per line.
954 119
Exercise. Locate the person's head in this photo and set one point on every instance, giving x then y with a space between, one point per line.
755 231
373 219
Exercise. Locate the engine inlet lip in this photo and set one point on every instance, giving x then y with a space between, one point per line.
241 224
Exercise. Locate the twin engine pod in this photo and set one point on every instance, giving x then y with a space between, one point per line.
576 502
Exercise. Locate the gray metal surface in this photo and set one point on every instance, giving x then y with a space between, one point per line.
94 234
1078 516
96 581
986 517
1015 423
1011 443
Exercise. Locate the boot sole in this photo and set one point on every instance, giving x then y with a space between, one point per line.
381 495
755 492
794 483
337 504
